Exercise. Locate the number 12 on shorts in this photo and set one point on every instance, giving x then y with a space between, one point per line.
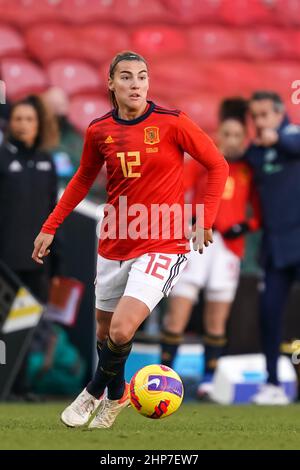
158 262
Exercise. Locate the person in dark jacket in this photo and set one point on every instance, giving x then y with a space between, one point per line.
275 159
28 191
4 115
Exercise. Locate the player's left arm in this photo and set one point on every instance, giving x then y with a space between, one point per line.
200 146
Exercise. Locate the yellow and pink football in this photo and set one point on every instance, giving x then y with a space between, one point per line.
156 391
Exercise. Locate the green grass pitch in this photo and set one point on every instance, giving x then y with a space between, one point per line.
194 426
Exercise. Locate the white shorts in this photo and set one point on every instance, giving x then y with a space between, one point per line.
148 278
217 271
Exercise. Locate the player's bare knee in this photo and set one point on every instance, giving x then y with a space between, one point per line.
120 334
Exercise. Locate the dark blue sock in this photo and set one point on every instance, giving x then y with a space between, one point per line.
112 360
213 349
115 388
169 346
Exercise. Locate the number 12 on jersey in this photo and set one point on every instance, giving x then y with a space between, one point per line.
127 166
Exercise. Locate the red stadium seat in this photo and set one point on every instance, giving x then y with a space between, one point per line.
202 108
288 12
267 43
295 44
140 11
279 76
245 12
100 43
74 76
210 42
85 108
83 11
193 11
22 77
11 42
51 41
233 77
159 41
170 77
26 12
8 10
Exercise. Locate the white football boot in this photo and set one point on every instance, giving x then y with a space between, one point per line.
270 394
81 409
108 412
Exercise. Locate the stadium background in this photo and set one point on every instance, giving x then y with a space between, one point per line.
199 52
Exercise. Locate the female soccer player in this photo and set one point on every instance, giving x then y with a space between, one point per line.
217 270
142 145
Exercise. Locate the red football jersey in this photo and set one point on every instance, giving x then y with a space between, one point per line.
144 160
239 193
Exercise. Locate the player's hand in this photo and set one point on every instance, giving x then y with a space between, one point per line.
41 247
267 138
202 239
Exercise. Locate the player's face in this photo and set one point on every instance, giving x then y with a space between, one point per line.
264 115
23 124
232 138
130 84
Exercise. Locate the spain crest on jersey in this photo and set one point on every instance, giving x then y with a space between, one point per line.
151 135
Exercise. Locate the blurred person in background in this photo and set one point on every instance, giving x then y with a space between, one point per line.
4 115
274 156
217 269
67 153
28 191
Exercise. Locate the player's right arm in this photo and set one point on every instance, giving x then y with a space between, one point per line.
90 165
